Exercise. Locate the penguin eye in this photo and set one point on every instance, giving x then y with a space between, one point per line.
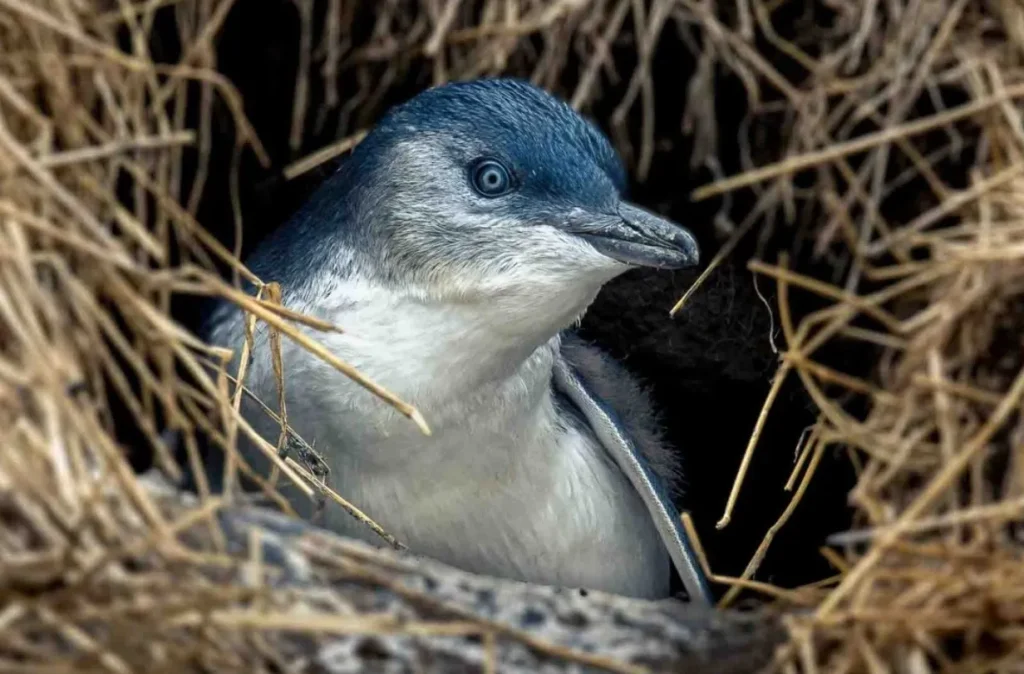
491 179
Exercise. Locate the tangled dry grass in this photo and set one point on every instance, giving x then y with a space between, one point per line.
933 575
902 158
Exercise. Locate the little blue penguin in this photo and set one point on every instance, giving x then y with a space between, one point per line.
456 248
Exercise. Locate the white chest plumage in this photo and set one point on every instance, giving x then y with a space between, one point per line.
506 485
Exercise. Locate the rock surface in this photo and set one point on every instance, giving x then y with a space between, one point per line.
505 625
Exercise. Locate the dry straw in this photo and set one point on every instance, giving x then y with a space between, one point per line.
934 572
932 575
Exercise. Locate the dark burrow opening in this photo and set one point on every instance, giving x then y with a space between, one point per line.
709 368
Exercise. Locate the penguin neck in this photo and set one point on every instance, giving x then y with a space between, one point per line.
442 349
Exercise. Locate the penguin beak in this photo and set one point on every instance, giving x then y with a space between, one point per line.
639 238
